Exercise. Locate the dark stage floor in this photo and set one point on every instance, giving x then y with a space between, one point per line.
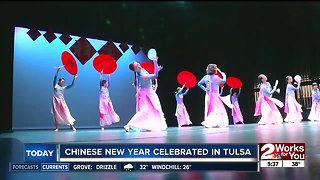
12 146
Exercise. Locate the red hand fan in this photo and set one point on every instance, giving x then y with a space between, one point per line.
148 66
69 63
104 62
187 78
234 82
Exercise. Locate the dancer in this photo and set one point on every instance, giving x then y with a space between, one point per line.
315 107
154 85
107 114
215 112
236 112
266 105
181 111
292 107
149 115
60 110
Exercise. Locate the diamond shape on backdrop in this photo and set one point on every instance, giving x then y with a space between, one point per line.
110 49
124 47
50 36
65 38
135 48
145 51
34 34
83 50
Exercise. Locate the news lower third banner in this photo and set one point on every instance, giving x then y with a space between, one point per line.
142 157
158 153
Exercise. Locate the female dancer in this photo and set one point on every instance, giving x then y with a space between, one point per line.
149 115
236 112
181 111
107 114
61 113
154 85
215 112
266 105
315 107
292 107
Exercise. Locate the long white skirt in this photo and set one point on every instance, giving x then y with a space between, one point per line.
149 116
61 112
270 113
107 114
294 110
315 111
215 112
182 115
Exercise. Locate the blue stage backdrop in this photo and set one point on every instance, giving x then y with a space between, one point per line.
33 74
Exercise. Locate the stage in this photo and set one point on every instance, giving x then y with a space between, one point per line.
12 148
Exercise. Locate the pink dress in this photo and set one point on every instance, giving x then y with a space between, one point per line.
315 107
181 111
292 107
107 114
215 114
266 106
236 112
149 115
